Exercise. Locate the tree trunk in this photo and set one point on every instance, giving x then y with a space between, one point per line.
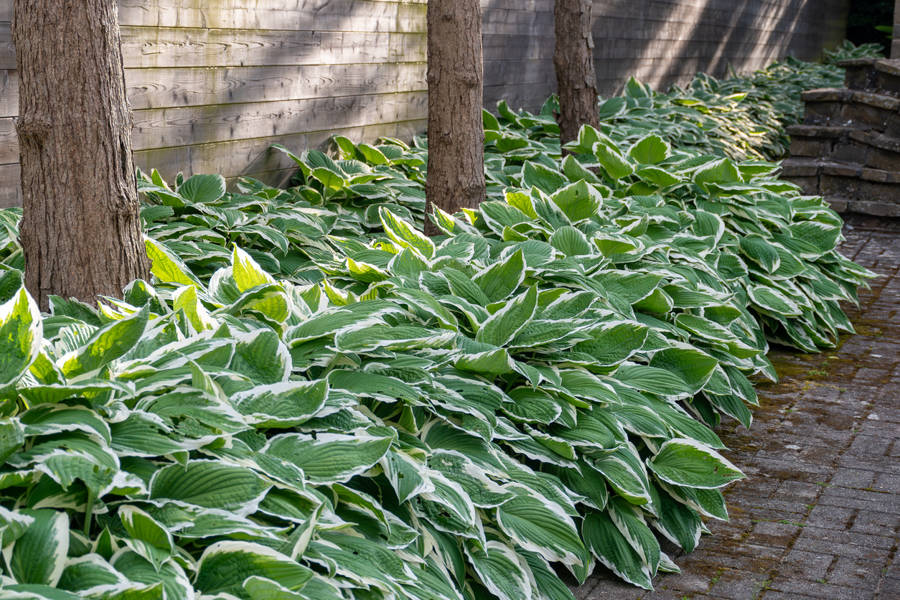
455 97
574 61
80 228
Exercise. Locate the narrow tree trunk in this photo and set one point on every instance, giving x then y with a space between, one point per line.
80 228
455 97
574 63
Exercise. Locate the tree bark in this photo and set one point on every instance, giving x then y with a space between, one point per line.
455 98
574 62
80 228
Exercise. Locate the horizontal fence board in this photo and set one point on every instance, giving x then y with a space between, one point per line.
246 157
9 147
10 192
161 128
174 127
319 15
163 88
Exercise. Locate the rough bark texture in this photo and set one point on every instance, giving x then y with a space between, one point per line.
455 89
80 227
573 59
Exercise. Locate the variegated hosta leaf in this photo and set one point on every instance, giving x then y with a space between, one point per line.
331 457
21 329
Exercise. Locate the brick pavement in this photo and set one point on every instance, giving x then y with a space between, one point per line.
819 514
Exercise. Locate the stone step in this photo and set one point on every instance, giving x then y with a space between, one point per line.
848 187
873 75
871 149
843 107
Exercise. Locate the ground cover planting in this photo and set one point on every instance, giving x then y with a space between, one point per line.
311 399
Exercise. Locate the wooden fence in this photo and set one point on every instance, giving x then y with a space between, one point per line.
213 83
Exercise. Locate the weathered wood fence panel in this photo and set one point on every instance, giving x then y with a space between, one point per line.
213 83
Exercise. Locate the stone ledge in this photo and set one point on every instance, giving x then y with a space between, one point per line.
844 95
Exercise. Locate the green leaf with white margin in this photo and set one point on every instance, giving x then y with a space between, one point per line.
540 176
632 526
773 301
12 525
38 592
210 484
657 176
690 365
332 457
52 418
248 274
185 298
503 325
689 463
578 200
613 550
654 380
649 150
614 342
406 475
405 235
21 332
39 555
717 171
761 251
502 572
822 236
281 405
171 575
225 566
623 475
449 508
678 522
549 585
146 535
167 266
262 357
90 573
544 528
361 559
262 588
203 188
12 436
392 337
503 277
106 345
612 161
570 241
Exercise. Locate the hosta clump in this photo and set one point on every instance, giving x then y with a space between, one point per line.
464 412
313 400
250 438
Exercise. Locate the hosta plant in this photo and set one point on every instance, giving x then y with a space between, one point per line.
311 399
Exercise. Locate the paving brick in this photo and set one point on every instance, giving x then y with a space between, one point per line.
815 589
889 589
849 572
737 585
830 517
800 564
854 478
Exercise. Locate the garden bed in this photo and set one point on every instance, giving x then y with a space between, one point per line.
311 399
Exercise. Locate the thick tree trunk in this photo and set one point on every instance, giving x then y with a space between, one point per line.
80 228
574 61
455 97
